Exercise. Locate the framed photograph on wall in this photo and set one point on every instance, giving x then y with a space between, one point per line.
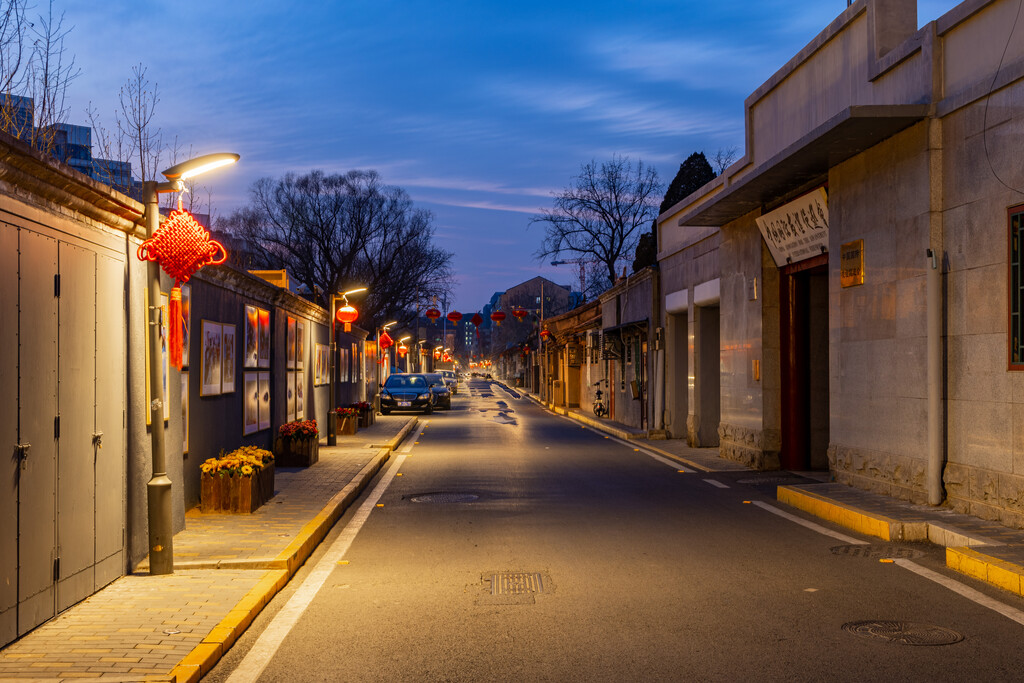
227 366
300 344
186 322
290 410
251 403
211 345
252 330
320 376
264 395
263 339
300 392
162 317
184 412
291 343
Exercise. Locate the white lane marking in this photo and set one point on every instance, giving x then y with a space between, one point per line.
810 525
715 482
971 594
250 668
671 463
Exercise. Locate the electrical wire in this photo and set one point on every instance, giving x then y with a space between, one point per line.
988 99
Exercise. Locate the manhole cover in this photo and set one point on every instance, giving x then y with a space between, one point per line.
444 498
877 552
904 632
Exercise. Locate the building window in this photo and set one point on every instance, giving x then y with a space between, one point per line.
1016 228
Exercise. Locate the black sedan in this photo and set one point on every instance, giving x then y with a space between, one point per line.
442 392
406 392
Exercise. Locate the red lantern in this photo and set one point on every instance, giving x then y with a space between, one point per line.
544 334
454 317
402 349
446 358
497 317
519 314
181 246
433 314
347 315
384 341
437 354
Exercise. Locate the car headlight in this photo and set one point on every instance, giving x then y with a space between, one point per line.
424 395
385 394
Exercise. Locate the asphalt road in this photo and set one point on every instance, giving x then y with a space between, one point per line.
514 545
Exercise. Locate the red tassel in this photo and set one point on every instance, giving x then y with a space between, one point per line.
174 335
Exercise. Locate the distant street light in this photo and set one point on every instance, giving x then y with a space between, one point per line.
158 490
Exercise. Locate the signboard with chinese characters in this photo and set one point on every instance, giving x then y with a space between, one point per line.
851 264
797 230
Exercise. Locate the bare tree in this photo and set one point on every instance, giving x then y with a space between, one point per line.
344 230
13 25
722 159
601 215
138 99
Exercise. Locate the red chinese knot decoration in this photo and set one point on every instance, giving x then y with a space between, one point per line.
181 246
384 341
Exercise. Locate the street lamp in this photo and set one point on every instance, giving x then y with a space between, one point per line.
399 348
158 490
332 417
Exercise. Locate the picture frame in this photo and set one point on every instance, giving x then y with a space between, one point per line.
184 413
162 318
300 393
300 344
320 365
186 323
252 327
210 368
291 343
251 403
290 397
227 367
263 339
264 397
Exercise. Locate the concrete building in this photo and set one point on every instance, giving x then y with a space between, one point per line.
868 256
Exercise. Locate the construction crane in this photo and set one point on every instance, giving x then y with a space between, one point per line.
582 263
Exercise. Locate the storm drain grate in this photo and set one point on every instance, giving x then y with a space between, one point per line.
877 552
904 632
515 583
444 498
775 481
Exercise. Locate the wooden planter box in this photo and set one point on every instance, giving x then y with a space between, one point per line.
366 418
296 452
222 493
347 425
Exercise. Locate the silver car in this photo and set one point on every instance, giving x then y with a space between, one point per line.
450 379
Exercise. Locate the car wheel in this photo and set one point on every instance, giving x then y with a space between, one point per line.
428 410
385 411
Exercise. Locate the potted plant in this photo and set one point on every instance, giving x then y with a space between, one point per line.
297 444
365 411
240 481
348 419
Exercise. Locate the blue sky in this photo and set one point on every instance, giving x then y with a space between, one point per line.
480 110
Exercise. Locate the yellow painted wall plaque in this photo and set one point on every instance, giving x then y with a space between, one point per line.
851 264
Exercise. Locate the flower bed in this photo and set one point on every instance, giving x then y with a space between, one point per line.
297 444
240 481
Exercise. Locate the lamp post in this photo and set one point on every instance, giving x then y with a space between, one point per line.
332 417
158 490
398 348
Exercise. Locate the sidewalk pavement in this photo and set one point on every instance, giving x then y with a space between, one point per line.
982 549
227 567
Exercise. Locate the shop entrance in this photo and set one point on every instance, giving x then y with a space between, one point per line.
804 335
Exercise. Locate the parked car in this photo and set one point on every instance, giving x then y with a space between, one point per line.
439 387
451 379
403 391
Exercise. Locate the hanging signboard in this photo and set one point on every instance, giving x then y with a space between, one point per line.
797 230
851 264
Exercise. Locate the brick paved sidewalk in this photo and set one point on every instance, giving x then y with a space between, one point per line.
227 567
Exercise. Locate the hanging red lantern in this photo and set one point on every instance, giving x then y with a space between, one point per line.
497 317
347 315
384 341
446 358
519 314
454 317
437 354
402 349
545 334
433 314
181 246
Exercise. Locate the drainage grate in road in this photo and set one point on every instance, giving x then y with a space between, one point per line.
878 552
515 583
904 632
444 498
774 481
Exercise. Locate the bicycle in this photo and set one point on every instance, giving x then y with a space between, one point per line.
599 409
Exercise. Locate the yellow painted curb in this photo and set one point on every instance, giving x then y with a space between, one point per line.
869 524
999 573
